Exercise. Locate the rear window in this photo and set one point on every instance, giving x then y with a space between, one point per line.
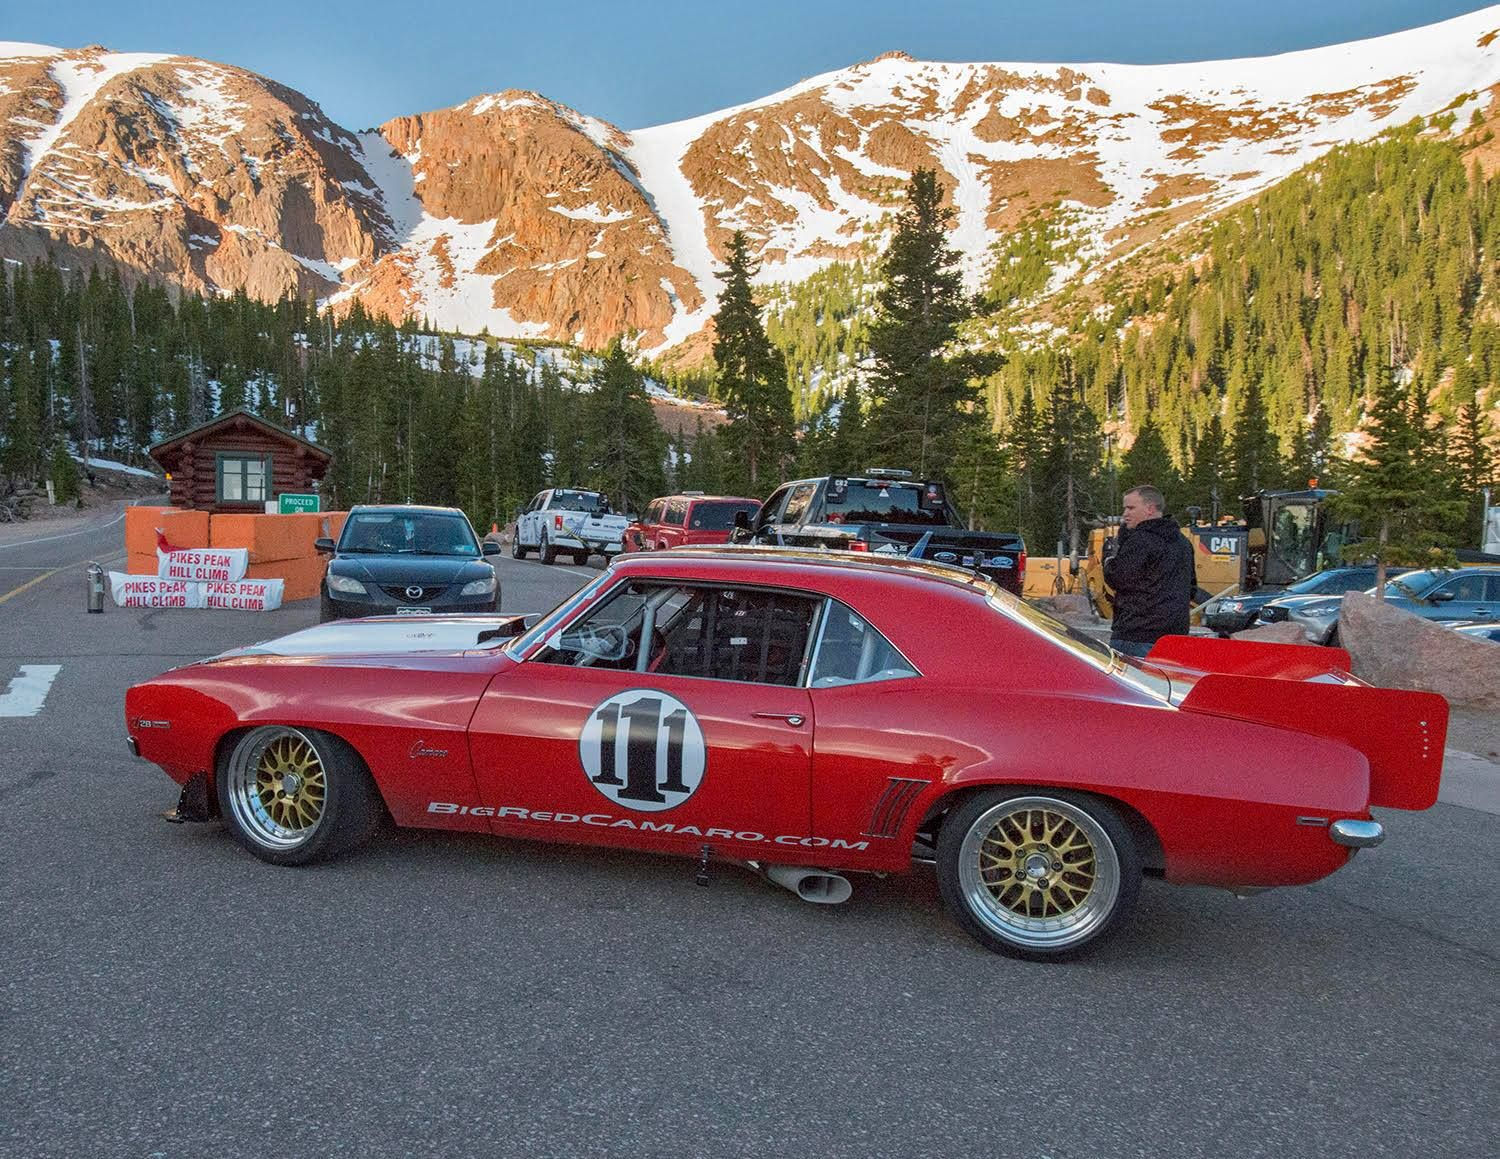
719 516
878 502
589 501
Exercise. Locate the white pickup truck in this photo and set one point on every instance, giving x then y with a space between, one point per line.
563 520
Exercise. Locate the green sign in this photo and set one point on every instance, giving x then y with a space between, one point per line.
289 504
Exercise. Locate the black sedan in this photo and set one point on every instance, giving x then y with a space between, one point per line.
407 561
1226 614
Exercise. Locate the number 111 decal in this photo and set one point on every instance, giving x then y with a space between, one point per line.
644 750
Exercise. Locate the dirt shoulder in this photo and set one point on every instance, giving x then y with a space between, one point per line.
1475 730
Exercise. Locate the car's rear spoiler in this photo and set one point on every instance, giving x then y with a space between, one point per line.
1244 658
1400 733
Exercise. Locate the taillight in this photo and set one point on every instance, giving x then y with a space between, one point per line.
1021 569
858 545
557 522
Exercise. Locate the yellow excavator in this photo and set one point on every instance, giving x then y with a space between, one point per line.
1284 537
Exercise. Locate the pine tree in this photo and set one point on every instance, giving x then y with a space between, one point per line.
1254 452
623 444
1390 490
1148 462
1474 465
751 379
924 401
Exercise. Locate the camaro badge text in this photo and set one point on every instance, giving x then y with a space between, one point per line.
420 749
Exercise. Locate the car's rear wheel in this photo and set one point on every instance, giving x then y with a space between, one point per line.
581 558
516 550
546 552
1037 874
296 795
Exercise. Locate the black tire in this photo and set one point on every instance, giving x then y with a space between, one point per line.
516 550
546 552
332 807
325 609
1009 908
1334 639
581 558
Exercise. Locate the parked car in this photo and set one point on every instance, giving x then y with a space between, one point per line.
885 512
787 710
407 561
688 519
1464 593
1477 630
562 519
1229 614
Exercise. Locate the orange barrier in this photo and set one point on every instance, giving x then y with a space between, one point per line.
280 546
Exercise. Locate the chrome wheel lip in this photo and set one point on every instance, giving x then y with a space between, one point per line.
1053 933
243 797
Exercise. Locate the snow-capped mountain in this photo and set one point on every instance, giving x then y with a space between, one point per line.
513 213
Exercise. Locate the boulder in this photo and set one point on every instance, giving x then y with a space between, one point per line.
1393 648
1284 632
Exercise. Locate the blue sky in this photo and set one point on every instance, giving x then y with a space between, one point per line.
644 63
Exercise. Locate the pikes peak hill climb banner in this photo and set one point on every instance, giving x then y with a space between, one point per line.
198 577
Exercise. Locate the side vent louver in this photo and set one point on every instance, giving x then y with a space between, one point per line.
890 811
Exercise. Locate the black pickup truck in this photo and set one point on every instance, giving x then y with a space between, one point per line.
885 513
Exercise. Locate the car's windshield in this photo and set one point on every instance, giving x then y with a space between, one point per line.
719 516
1339 580
408 533
877 501
590 501
1414 585
520 645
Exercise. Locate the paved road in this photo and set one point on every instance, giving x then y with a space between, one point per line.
167 995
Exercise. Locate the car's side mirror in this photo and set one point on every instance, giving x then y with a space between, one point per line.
489 547
323 546
1440 597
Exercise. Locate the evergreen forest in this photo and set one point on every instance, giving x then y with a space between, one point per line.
1236 354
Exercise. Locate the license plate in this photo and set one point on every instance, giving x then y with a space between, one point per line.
413 611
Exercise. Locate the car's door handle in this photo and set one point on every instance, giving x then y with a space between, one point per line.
794 719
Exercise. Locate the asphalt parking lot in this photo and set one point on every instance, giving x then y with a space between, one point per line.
166 995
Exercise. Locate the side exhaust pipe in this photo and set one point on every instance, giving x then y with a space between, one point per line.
814 885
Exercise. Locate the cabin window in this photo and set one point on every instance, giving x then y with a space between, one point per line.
243 478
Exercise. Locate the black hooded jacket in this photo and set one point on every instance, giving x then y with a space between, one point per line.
1153 575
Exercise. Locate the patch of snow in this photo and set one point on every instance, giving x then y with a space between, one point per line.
592 212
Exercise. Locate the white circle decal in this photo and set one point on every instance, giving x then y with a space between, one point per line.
643 750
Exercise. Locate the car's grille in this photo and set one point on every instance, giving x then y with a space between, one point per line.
414 593
890 810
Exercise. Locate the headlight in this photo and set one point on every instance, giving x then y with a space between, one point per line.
479 587
1319 614
1232 606
346 584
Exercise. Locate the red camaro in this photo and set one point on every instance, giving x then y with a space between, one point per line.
809 714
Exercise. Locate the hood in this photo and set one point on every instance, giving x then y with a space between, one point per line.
384 636
1162 527
1306 604
427 570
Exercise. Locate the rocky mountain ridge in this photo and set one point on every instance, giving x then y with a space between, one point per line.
514 214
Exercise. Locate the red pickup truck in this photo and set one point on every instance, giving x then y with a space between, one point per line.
688 518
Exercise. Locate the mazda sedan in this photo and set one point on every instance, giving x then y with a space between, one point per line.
407 561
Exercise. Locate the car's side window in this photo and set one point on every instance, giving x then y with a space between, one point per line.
653 512
796 506
1492 590
748 634
851 651
676 512
770 512
1464 587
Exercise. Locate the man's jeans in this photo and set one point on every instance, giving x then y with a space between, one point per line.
1130 647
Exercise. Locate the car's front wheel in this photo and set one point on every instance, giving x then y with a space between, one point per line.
295 795
1037 874
516 550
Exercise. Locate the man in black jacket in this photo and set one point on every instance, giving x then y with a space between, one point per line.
1152 573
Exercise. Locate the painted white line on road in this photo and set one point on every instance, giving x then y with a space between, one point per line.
28 691
69 535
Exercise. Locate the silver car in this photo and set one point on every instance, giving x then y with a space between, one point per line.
1439 593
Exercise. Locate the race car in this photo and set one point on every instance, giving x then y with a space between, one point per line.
785 710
